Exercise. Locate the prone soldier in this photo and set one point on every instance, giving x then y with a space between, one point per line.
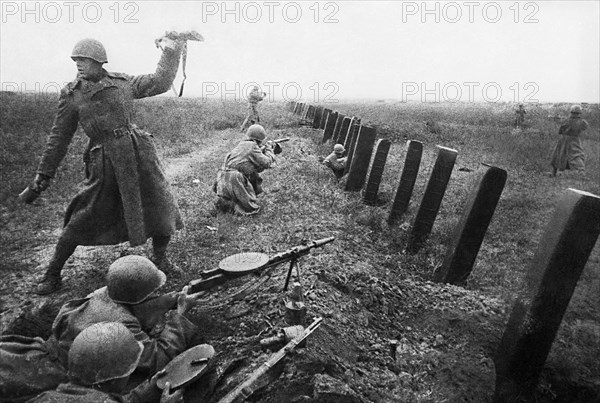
131 282
101 359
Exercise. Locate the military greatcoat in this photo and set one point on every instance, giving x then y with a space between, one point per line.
29 366
238 180
125 195
568 152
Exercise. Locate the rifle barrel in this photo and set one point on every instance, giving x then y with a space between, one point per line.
246 388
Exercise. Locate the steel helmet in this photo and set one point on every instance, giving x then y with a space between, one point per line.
103 351
576 109
90 48
131 279
338 148
256 132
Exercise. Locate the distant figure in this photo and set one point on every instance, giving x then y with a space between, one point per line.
520 118
238 181
253 99
568 153
336 160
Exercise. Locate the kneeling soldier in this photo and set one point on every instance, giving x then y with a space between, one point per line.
238 181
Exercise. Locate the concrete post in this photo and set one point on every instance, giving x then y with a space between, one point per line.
407 181
432 198
536 315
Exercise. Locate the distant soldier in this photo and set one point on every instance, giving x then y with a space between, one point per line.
238 181
32 365
253 99
336 160
520 116
568 152
101 359
125 195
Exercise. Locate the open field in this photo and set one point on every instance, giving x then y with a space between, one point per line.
364 286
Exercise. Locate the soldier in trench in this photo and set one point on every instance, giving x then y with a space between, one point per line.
29 366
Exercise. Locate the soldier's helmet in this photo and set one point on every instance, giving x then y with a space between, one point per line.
338 148
90 48
132 279
576 109
256 132
103 351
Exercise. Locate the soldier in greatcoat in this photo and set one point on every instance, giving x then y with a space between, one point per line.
125 195
238 181
29 366
254 98
568 152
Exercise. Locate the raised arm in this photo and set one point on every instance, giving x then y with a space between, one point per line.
148 85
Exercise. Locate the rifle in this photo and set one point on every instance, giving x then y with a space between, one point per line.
246 389
276 146
242 264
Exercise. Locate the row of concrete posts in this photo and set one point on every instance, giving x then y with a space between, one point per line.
557 265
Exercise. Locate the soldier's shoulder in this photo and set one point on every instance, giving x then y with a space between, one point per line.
118 76
70 87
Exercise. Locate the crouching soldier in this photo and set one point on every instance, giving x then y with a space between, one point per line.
336 160
238 181
101 359
29 366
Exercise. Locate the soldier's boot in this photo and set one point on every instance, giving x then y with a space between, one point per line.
52 280
160 258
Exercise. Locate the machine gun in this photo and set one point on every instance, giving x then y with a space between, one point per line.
151 311
242 264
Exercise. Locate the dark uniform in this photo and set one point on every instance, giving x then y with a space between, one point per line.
125 196
253 99
568 152
29 366
238 180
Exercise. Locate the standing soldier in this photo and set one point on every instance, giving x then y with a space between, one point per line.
238 181
125 195
520 118
568 153
253 99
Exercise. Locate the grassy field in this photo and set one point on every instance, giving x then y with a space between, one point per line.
367 289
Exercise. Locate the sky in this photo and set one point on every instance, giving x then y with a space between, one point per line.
433 51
